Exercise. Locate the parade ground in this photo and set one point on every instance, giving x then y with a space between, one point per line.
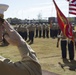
48 54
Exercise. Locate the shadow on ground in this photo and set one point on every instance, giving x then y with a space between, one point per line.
71 65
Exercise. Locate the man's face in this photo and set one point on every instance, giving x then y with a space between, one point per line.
1 21
1 30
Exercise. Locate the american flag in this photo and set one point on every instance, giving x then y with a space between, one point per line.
72 7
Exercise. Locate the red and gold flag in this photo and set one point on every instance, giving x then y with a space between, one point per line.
64 24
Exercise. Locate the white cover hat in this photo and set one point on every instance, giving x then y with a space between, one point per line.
3 7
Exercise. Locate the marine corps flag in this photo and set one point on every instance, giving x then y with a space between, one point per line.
64 24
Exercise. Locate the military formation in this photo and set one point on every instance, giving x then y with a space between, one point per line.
31 31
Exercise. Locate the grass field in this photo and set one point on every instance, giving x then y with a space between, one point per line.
48 54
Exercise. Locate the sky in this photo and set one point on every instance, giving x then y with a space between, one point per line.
30 9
